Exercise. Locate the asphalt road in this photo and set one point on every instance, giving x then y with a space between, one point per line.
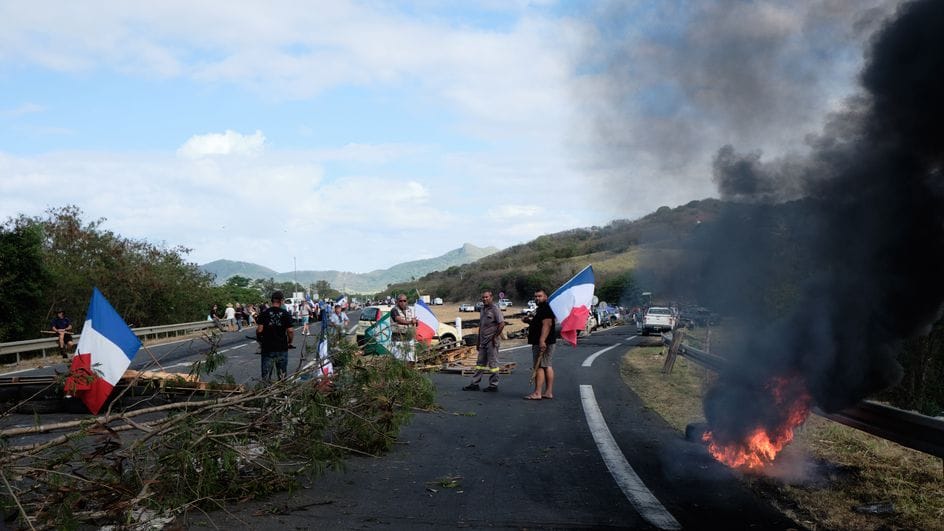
520 464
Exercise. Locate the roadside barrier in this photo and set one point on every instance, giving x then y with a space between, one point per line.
907 428
16 350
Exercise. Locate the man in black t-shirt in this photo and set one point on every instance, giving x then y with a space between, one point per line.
542 338
275 334
63 326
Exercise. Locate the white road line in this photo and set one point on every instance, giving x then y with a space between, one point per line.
514 348
16 372
646 504
630 338
589 361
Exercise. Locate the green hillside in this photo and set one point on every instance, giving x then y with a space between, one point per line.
648 249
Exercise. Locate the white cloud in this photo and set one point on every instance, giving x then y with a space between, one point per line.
228 143
25 108
512 212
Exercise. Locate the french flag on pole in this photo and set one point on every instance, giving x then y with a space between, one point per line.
427 325
342 302
106 348
571 304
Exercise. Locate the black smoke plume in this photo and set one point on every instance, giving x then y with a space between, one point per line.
857 227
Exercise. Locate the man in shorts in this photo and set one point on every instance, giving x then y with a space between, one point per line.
62 326
275 334
542 338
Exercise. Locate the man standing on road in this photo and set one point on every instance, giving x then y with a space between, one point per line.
404 329
230 316
62 326
542 340
491 324
275 334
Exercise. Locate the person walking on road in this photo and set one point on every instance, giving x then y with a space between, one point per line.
275 335
541 337
62 326
404 329
230 316
304 312
491 324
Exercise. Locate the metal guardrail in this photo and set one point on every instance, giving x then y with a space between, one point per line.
907 428
51 344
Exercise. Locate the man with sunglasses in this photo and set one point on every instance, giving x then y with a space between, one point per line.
491 324
404 329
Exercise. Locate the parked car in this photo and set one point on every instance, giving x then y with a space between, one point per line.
505 302
479 305
698 316
371 314
466 307
438 301
658 319
530 308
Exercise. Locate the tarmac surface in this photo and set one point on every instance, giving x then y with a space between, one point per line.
497 461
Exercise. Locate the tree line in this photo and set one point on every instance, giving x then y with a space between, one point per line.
54 260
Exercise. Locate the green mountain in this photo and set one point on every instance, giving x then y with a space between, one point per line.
223 269
371 282
649 249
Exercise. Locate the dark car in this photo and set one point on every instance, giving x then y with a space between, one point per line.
698 316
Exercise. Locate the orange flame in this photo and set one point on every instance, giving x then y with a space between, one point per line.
762 445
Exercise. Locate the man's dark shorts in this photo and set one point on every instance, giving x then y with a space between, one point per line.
548 355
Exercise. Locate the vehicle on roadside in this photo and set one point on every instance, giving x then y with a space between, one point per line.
698 316
466 307
506 302
371 314
478 306
437 301
658 319
530 308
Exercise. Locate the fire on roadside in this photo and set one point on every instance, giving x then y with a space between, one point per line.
764 442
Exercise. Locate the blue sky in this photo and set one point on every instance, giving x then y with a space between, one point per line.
357 135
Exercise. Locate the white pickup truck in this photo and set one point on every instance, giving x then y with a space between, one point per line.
658 319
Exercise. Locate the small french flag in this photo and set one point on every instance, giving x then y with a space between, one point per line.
427 325
106 348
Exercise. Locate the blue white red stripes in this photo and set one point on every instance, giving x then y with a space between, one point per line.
571 304
106 348
427 324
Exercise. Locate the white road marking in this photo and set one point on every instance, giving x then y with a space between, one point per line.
589 361
514 348
646 504
16 372
630 338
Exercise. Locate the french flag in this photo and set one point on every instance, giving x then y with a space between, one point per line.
342 302
106 348
571 304
427 325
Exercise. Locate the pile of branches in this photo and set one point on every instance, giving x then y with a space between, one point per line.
148 465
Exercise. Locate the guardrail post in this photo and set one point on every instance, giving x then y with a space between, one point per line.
672 353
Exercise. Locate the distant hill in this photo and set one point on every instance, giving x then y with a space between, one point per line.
223 269
707 251
649 248
371 282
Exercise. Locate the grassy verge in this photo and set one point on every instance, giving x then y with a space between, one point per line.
868 469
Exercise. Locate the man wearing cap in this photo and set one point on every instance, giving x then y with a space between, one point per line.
63 326
274 333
